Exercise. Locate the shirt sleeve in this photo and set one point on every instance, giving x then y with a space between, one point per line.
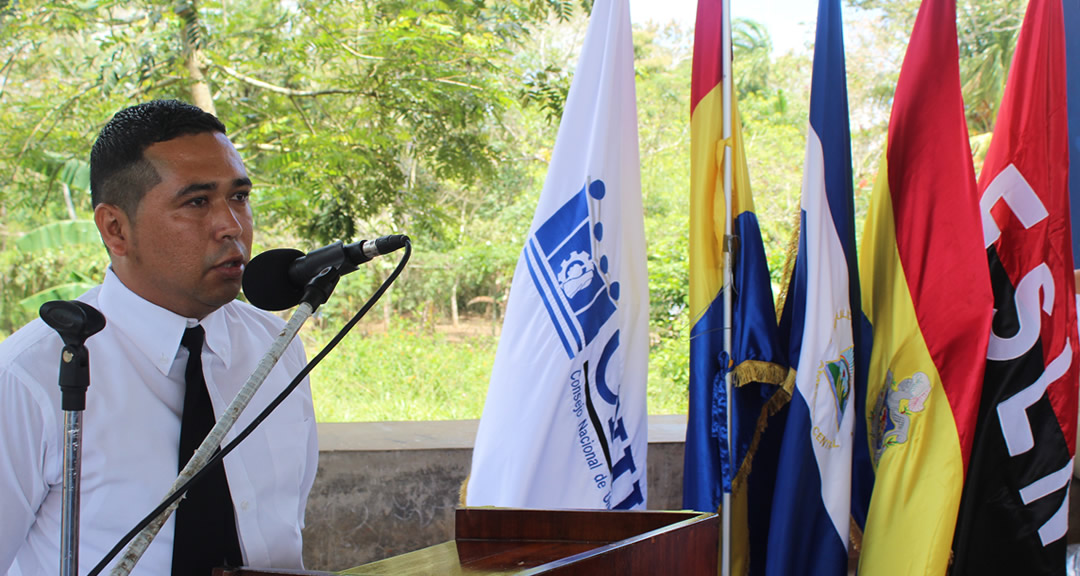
25 447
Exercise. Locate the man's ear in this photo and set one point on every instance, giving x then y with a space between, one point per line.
115 228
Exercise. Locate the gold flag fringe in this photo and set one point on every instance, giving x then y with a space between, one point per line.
777 374
758 371
789 265
855 539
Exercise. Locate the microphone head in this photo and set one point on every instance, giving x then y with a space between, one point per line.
266 280
74 320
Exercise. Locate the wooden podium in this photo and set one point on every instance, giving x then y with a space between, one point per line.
494 541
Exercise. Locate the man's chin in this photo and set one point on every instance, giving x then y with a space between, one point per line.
222 296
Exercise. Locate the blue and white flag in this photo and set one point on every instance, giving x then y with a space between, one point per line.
1071 9
565 423
811 507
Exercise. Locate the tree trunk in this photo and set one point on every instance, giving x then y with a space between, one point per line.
453 303
195 61
67 200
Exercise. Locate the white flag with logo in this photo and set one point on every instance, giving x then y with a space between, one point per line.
565 424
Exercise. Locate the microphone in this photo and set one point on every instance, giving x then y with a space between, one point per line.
275 280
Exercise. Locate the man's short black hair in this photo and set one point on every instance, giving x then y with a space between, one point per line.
119 173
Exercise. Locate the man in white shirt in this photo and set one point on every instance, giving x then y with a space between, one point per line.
170 197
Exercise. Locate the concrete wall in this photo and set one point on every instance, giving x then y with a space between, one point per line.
387 488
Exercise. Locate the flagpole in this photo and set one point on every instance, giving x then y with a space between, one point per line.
725 558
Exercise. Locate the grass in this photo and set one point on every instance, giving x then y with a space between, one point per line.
378 375
401 374
406 373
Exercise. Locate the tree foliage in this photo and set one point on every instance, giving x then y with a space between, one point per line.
346 112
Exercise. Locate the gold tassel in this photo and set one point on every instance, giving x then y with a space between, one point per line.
751 371
789 265
789 382
855 538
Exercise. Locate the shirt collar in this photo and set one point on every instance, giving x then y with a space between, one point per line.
218 339
154 331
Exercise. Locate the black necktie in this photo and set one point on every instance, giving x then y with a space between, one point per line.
205 522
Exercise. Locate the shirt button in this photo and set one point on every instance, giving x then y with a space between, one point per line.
244 505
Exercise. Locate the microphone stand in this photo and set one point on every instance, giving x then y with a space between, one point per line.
75 322
316 293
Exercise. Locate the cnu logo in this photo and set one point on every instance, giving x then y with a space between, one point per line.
572 282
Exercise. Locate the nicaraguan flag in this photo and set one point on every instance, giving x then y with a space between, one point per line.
810 520
565 424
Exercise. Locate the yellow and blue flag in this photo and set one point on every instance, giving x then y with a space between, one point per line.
756 359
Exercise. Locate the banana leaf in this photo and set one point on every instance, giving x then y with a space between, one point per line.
58 234
68 291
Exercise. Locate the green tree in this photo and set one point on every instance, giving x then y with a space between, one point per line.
986 30
752 47
345 111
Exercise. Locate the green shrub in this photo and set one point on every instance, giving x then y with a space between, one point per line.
73 267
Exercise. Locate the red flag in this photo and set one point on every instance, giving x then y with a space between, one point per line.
1014 511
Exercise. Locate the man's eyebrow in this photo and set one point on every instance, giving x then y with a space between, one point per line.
209 186
196 188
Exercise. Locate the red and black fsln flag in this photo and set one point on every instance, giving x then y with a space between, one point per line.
1014 510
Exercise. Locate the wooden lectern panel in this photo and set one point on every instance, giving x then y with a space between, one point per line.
496 541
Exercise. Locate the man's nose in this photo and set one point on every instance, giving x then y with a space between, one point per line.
229 220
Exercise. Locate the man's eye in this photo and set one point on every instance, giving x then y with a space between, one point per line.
242 196
198 201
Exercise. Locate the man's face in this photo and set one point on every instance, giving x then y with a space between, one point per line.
191 237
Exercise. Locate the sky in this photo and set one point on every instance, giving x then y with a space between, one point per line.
790 22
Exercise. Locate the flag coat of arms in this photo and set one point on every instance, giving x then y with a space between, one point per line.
926 290
565 423
811 507
1014 513
756 360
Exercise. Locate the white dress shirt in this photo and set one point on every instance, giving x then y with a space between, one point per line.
131 432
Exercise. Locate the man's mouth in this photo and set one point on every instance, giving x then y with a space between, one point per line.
235 264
